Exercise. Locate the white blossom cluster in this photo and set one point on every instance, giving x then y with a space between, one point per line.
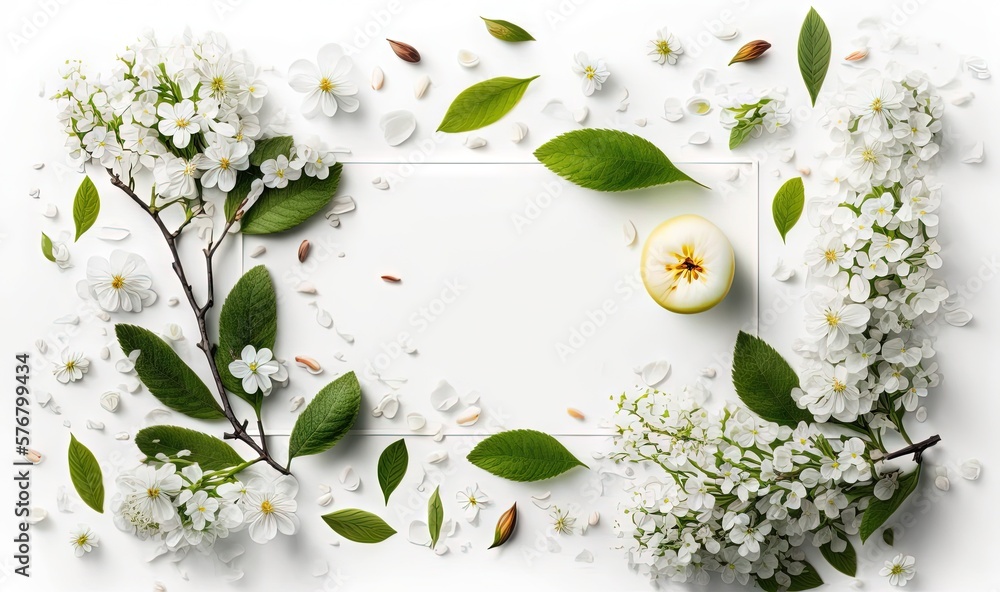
191 508
872 265
735 495
750 113
187 111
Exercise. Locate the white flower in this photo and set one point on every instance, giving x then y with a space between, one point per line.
270 508
828 256
179 122
201 509
561 520
71 367
472 499
176 177
83 540
879 103
666 48
154 489
121 282
325 84
869 162
102 145
234 492
593 73
900 570
256 368
835 321
775 115
277 172
221 161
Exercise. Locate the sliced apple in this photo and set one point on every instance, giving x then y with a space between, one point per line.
687 264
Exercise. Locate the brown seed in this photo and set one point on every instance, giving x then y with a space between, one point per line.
856 56
575 413
505 527
303 251
750 51
391 278
309 364
405 51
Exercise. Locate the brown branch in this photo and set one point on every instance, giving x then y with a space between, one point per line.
917 450
200 312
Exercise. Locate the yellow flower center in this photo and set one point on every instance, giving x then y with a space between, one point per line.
82 540
218 84
689 266
877 105
280 173
325 84
201 509
663 48
589 72
182 122
70 365
838 387
830 255
224 163
153 492
253 366
190 169
266 507
832 319
897 569
117 282
868 155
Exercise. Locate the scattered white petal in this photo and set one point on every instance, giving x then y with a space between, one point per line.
95 425
105 353
50 211
942 483
699 138
640 121
708 372
349 478
397 127
70 319
380 183
473 142
585 556
444 396
469 417
41 346
556 108
786 154
174 301
437 457
467 59
173 332
518 131
978 67
921 414
782 272
112 233
256 252
698 105
672 110
727 32
325 495
962 98
654 373
958 318
122 436
295 403
387 407
415 422
974 155
629 232
322 317
971 469
342 204
623 102
36 515
157 416
227 553
580 115
64 502
470 398
320 568
418 533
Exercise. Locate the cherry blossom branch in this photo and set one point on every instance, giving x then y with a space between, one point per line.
200 311
917 450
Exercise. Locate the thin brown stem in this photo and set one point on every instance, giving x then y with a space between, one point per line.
200 312
917 450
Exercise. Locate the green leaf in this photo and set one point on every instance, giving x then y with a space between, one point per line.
483 103
249 317
277 210
85 472
608 160
47 248
166 375
270 148
889 536
327 418
523 455
435 516
807 580
740 134
879 511
506 30
764 382
815 47
86 207
211 453
787 205
846 562
359 526
392 465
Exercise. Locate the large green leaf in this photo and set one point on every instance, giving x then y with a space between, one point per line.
166 375
787 205
523 455
435 516
506 30
327 418
392 465
608 160
846 562
879 511
249 317
764 382
211 453
808 579
359 526
271 148
277 210
815 48
85 472
86 207
483 103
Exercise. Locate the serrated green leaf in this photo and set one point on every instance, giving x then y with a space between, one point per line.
808 579
435 516
483 103
85 472
392 464
815 47
47 248
86 207
787 205
846 561
211 453
327 418
359 526
879 511
608 160
278 210
249 317
166 375
764 382
889 536
523 455
270 148
506 31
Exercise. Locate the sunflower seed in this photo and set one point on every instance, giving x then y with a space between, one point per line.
421 86
309 364
378 78
303 253
575 413
469 417
258 251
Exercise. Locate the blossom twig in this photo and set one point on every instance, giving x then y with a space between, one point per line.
200 311
916 449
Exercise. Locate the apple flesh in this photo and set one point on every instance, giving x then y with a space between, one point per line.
687 264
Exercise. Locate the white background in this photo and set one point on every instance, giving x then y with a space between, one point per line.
950 534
